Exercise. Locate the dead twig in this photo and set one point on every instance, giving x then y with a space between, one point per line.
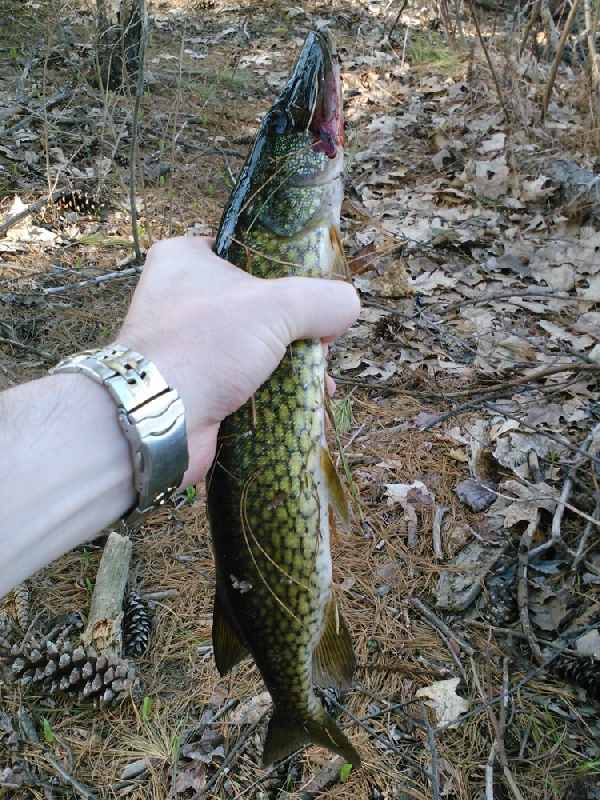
555 437
135 125
489 61
108 276
565 494
437 622
436 533
388 744
398 15
181 560
535 12
105 616
579 554
39 112
557 58
504 295
498 726
28 348
496 391
28 728
31 209
592 55
435 768
523 588
230 757
551 31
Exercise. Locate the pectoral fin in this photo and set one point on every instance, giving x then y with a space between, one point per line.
333 658
340 268
335 490
229 650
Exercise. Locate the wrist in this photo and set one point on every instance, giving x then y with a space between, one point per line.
71 475
87 430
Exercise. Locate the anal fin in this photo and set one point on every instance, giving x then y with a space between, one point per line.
229 650
333 658
335 491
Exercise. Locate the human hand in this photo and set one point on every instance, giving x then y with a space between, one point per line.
216 333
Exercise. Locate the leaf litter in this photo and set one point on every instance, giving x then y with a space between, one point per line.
470 380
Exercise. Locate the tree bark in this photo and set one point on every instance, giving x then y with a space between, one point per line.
118 37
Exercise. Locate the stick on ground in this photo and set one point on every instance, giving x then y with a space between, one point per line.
103 630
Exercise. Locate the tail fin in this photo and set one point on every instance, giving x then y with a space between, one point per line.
286 735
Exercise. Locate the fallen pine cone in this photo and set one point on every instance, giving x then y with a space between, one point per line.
136 625
61 668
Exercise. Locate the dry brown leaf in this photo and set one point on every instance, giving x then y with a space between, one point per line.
443 699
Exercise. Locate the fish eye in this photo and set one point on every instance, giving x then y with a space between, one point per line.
283 123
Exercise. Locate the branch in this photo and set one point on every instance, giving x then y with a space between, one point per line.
557 57
135 123
492 393
32 209
437 622
535 12
489 61
523 589
108 276
27 348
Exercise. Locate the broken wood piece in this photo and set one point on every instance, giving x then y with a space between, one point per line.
104 630
436 532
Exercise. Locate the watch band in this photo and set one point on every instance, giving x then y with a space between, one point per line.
151 414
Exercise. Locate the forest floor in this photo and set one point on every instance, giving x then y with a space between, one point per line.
467 405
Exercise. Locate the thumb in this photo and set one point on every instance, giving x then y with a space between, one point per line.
314 308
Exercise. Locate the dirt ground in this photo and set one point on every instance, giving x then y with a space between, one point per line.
478 280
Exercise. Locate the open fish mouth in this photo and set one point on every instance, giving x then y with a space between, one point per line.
312 98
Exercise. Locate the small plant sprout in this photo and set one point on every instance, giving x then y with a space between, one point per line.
48 733
146 708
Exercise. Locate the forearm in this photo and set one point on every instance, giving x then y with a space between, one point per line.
70 475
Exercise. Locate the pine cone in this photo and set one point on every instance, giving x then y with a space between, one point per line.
5 629
581 669
60 667
136 625
21 598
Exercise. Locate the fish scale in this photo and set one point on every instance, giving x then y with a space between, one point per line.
272 481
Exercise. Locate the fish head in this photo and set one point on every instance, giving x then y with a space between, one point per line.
303 130
292 180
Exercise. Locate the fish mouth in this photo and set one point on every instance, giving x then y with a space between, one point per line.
312 98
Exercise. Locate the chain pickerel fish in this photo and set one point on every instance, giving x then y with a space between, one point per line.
272 481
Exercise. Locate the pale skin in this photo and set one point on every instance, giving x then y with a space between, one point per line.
214 332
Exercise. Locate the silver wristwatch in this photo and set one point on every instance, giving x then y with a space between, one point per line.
151 414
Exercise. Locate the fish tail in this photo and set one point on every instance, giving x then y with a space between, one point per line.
286 735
